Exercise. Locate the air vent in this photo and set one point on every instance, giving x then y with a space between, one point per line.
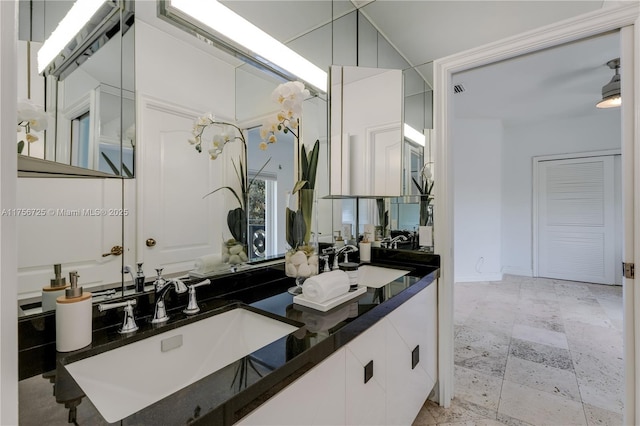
458 88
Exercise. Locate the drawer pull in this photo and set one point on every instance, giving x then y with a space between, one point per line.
415 357
368 371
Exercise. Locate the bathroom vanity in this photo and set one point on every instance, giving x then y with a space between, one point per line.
372 360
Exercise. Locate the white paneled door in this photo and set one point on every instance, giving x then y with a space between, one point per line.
172 180
576 219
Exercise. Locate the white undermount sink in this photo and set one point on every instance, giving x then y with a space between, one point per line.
376 276
125 380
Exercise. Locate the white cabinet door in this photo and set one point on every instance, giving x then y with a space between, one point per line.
366 361
316 398
411 351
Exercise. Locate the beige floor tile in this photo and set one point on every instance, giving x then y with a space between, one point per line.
459 411
541 377
601 417
478 388
540 335
539 408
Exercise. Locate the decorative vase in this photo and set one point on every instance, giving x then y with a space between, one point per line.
301 261
233 252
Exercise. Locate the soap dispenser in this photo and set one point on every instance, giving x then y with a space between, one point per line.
54 290
73 317
365 249
140 279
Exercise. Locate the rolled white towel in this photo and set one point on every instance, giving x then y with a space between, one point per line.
325 286
206 264
318 321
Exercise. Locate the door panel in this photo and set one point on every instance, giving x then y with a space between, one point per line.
576 219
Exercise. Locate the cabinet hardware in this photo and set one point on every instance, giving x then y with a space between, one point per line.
150 242
115 251
629 270
415 357
368 371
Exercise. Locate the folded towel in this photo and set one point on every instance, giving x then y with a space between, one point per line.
207 264
319 321
325 286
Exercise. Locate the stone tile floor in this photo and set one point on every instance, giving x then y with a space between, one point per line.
535 351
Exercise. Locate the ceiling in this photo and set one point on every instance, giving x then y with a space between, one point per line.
564 81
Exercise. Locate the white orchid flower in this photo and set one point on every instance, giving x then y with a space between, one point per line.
263 146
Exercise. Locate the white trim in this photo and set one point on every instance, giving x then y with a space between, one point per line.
535 163
508 270
494 276
8 237
630 112
598 22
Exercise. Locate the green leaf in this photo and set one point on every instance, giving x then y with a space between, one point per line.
298 186
299 229
126 170
313 165
225 187
290 216
110 163
20 147
306 207
417 185
304 164
237 223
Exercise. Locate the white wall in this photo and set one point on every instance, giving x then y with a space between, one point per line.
8 261
596 132
478 197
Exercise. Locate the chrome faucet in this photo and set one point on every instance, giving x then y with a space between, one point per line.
162 287
394 241
349 248
129 322
192 307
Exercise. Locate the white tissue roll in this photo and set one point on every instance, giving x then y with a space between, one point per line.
73 323
326 286
365 252
207 263
425 236
49 296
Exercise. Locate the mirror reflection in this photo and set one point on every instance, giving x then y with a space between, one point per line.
366 142
82 98
169 224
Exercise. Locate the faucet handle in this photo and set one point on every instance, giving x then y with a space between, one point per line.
192 307
129 322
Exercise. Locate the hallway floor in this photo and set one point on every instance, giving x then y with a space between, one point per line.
533 351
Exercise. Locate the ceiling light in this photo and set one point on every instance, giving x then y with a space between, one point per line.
77 17
234 27
414 135
611 91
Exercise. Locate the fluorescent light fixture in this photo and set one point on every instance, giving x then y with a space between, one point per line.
414 135
231 25
77 17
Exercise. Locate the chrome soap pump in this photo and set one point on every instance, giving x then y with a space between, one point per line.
140 279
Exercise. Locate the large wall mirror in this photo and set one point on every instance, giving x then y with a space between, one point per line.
83 131
160 216
80 94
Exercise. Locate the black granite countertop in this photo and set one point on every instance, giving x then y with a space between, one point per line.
232 392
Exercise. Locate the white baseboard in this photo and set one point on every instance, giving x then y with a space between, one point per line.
523 272
496 276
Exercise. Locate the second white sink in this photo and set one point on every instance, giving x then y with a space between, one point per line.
125 380
376 276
